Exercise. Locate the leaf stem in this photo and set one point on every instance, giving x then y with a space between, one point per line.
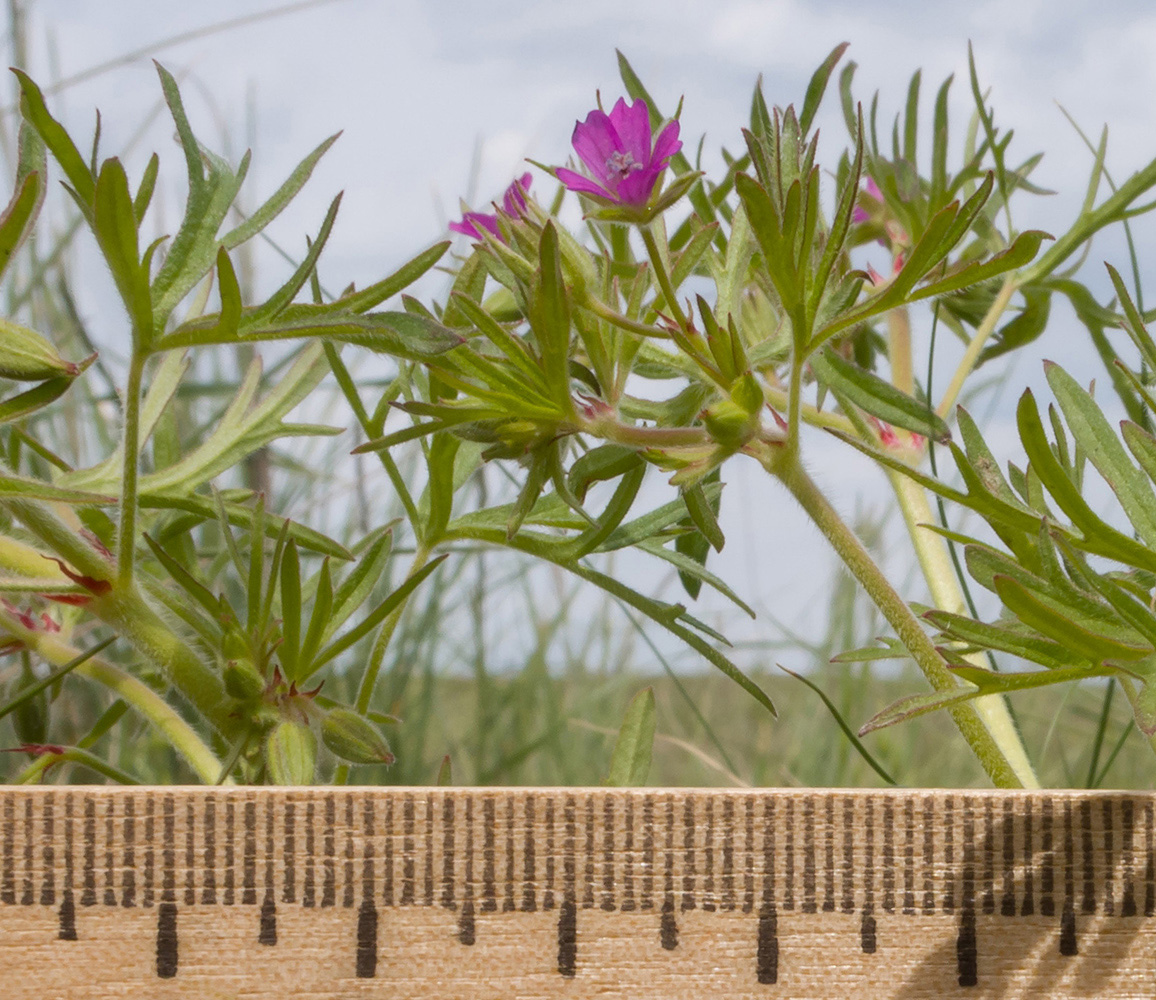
938 571
167 720
982 332
126 533
986 745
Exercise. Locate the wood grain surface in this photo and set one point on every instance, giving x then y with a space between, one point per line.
501 893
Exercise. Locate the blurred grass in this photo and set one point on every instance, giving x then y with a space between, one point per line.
544 730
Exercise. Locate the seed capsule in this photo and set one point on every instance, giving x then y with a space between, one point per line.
242 680
26 356
354 738
291 754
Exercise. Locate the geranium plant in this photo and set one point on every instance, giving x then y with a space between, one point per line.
691 322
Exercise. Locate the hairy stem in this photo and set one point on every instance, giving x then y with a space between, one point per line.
126 532
987 746
935 562
982 332
166 719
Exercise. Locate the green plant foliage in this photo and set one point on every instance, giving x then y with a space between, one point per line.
575 399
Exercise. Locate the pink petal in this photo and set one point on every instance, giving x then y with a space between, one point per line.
666 145
635 188
633 127
514 200
475 224
576 182
595 141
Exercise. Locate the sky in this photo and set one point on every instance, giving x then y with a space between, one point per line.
439 101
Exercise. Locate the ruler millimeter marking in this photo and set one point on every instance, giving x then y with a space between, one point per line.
906 886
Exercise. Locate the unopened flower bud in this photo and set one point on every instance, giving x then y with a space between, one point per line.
291 754
26 356
243 680
728 423
30 719
354 738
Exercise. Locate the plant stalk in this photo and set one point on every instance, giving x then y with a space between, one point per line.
126 532
939 573
167 720
987 746
982 332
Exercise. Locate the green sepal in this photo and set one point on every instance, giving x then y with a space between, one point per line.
291 754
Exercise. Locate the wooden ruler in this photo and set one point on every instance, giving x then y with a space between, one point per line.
480 893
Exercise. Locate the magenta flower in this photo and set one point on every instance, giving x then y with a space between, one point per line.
514 200
476 224
870 191
616 149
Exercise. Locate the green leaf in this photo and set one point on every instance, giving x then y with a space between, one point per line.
842 724
319 620
840 225
691 568
776 240
144 193
1023 328
389 286
549 315
213 186
537 476
1096 437
616 509
57 140
19 217
878 397
607 461
1034 610
19 406
375 617
704 515
359 582
1113 209
247 425
630 762
274 205
1020 253
1133 322
283 296
516 350
14 487
817 87
1099 537
200 509
185 580
114 222
439 494
1142 445
1008 636
921 704
289 650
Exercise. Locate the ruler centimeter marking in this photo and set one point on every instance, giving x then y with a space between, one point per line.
1076 866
